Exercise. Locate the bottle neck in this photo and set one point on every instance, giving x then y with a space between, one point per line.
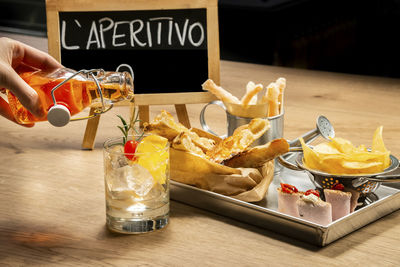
116 86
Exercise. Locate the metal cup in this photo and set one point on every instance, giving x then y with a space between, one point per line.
233 122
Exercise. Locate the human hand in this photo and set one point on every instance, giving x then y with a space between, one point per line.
14 54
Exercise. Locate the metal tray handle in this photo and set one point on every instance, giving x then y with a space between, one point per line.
389 178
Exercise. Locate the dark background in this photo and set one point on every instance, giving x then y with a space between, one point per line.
350 36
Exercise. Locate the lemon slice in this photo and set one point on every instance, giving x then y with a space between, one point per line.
153 155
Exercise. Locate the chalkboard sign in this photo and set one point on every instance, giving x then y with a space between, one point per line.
171 46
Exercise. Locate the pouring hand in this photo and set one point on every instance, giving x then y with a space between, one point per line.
13 55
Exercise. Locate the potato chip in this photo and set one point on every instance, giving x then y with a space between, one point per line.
343 145
362 148
341 157
377 141
326 148
311 157
369 167
379 146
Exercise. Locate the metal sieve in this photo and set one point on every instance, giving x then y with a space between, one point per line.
364 183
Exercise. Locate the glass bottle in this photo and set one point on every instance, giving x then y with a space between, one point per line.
74 95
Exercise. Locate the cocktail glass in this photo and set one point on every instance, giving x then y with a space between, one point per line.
136 186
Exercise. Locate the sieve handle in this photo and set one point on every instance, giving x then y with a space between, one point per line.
324 128
307 137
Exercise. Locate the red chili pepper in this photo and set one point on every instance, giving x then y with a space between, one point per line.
130 148
287 188
312 191
338 186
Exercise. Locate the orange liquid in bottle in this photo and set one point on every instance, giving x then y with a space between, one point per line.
76 94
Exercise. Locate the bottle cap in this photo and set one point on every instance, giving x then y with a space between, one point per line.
58 115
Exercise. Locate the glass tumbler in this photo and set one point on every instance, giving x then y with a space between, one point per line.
136 186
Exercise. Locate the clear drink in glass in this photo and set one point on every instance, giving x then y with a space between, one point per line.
136 185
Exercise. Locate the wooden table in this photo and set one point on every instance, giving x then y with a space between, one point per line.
52 209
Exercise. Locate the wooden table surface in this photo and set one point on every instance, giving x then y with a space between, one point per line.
52 207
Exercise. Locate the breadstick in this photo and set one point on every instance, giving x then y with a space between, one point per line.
219 92
281 82
257 156
273 102
251 94
250 86
264 99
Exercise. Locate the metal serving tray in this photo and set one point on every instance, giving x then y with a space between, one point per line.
264 214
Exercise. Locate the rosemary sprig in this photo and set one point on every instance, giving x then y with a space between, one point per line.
125 128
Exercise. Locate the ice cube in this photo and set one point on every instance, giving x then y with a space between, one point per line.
139 180
117 157
117 184
129 181
156 192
